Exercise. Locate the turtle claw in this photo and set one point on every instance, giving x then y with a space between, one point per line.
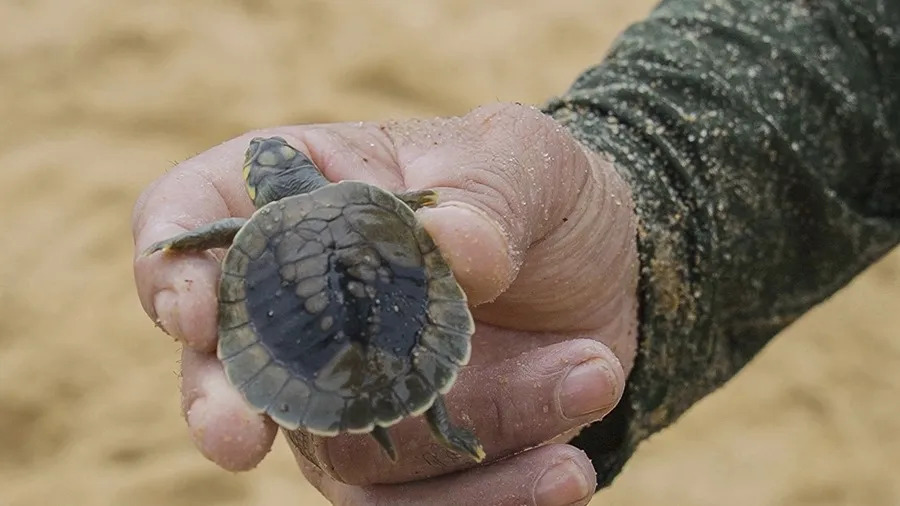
381 435
459 440
164 246
417 199
464 442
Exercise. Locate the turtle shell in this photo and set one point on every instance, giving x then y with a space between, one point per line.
337 312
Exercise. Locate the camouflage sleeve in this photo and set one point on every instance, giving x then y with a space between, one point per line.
761 139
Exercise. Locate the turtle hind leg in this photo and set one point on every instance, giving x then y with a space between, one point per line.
456 438
419 198
381 435
218 234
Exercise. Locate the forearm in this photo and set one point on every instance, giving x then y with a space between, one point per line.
762 142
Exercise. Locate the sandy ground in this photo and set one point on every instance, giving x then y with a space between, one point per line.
98 98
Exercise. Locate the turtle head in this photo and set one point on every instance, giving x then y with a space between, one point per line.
273 170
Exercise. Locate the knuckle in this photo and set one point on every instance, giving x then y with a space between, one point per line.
535 167
519 414
525 410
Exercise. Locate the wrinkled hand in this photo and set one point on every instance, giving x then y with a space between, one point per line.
541 235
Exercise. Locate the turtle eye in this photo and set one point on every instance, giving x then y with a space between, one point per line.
252 149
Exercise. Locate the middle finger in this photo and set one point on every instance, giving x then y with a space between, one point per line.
516 403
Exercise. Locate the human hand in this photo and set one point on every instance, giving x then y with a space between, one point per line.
540 233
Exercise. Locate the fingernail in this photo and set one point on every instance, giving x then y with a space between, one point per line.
562 484
165 304
589 387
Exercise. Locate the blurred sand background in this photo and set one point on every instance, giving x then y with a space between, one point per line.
98 98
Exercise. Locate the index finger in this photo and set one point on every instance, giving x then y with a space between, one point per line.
179 292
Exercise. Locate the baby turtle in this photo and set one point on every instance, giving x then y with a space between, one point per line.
337 312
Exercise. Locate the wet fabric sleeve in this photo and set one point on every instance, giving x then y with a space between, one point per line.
761 139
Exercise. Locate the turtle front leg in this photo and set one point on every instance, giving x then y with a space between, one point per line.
218 234
419 198
456 438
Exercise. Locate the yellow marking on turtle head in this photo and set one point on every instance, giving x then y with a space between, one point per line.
288 152
251 189
266 158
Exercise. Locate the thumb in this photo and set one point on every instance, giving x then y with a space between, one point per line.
476 246
523 219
